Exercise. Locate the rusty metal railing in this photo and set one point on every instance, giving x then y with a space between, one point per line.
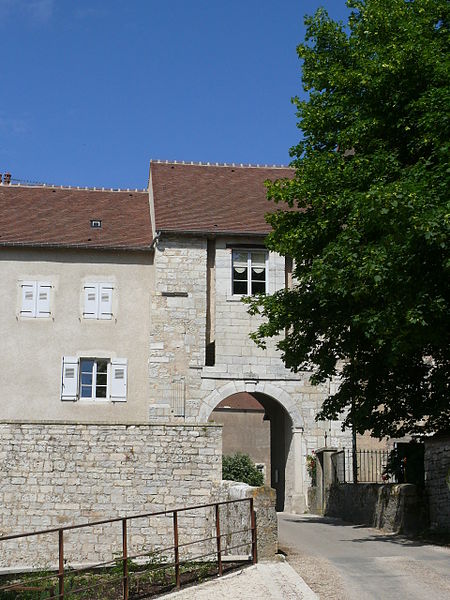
53 582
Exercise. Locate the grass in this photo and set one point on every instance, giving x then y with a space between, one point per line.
145 581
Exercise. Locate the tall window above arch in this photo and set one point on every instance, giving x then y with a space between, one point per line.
249 272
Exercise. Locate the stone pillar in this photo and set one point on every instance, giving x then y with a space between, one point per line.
325 475
295 473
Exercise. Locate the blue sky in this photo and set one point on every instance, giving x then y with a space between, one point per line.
91 90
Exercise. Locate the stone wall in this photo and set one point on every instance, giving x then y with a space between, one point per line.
437 481
56 474
399 508
236 517
60 474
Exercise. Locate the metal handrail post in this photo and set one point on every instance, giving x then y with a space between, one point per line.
219 541
61 564
126 584
253 528
176 549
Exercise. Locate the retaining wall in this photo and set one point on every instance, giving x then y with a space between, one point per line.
437 481
399 508
56 474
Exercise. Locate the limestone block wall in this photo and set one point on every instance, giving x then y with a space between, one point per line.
233 323
178 324
437 481
56 474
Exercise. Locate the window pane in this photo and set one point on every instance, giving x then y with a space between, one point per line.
240 274
101 378
240 259
100 392
86 391
102 366
258 287
258 259
240 287
258 274
86 366
86 378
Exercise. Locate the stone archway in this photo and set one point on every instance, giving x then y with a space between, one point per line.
286 437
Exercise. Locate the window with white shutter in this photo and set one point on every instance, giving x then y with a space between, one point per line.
98 301
43 299
105 301
118 380
69 386
90 301
94 379
35 299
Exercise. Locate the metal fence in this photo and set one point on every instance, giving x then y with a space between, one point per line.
126 571
370 466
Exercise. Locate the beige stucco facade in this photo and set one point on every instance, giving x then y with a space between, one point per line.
32 349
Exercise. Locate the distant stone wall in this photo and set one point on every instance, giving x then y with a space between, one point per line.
398 508
437 481
62 474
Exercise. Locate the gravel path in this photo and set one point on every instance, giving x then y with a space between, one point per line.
264 581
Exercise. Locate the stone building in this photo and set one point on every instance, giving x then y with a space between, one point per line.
209 230
125 306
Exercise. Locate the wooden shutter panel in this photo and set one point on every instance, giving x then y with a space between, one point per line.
105 300
90 301
118 387
28 308
43 300
69 388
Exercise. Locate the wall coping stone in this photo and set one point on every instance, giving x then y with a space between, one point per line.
108 423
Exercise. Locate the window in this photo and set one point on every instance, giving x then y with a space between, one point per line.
35 299
249 272
95 379
98 301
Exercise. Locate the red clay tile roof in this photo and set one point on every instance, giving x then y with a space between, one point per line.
61 217
204 198
241 401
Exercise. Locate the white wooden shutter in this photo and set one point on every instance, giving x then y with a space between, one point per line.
28 308
105 300
69 388
43 299
118 385
90 301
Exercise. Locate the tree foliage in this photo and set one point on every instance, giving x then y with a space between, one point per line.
370 217
240 467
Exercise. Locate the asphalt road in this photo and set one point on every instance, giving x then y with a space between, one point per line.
342 561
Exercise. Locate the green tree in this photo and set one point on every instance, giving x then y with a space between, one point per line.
240 467
368 224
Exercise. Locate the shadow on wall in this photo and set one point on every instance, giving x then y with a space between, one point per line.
399 508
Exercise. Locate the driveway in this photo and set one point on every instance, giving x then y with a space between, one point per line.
342 561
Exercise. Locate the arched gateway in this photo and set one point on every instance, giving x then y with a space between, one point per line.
287 447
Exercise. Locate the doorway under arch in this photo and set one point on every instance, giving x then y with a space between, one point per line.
257 424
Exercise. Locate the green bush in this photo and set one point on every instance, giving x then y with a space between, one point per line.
240 467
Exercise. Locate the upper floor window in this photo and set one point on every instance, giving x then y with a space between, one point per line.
98 301
93 379
249 272
35 299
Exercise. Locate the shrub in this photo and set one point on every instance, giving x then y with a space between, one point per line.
240 467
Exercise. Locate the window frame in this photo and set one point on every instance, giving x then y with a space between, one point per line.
249 252
72 379
94 384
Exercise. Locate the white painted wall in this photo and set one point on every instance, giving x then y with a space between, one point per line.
31 349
